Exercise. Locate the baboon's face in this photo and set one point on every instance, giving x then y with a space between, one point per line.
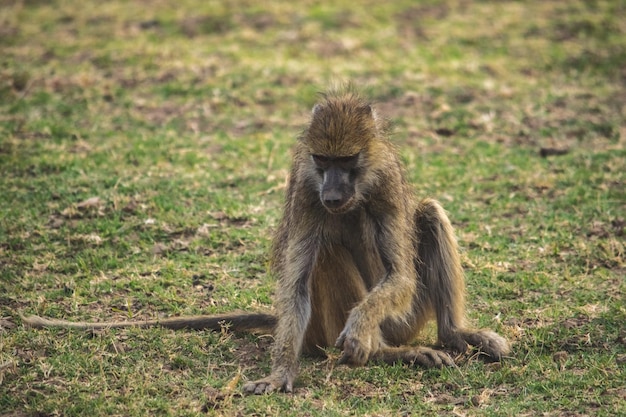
338 179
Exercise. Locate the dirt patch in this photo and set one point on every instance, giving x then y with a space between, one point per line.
252 351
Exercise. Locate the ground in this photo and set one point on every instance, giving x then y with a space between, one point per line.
144 148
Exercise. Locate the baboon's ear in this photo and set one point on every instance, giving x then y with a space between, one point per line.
316 109
366 110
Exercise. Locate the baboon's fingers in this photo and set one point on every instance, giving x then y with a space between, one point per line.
354 353
340 340
268 385
258 387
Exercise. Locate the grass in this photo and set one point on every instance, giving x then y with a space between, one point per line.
143 154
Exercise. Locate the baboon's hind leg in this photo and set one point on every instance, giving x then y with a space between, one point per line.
443 283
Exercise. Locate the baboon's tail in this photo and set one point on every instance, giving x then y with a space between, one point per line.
232 321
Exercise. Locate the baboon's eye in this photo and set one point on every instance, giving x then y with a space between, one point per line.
343 162
321 163
352 159
348 162
320 159
354 173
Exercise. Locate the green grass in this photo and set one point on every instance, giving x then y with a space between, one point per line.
143 154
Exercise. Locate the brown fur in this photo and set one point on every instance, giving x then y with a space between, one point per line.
360 264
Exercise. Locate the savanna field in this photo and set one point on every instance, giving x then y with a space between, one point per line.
144 148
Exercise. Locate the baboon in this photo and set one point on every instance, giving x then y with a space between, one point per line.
360 263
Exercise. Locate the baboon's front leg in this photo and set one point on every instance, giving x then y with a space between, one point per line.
389 299
293 306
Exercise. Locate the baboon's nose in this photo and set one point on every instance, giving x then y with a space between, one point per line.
332 199
334 203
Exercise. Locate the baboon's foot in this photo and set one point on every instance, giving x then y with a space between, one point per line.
487 342
420 356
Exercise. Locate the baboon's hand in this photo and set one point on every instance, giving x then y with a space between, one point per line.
357 341
274 382
354 352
